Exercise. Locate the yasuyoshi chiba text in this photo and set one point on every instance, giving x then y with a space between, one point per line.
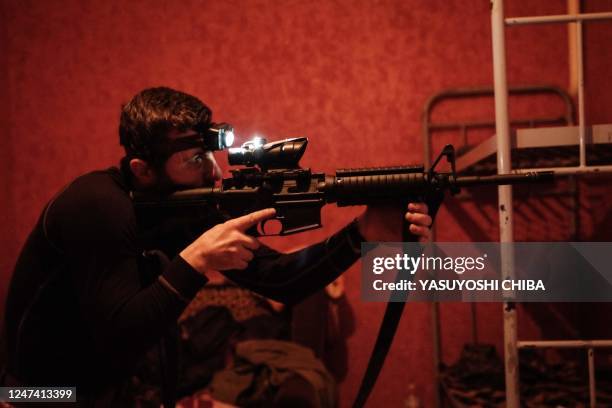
460 284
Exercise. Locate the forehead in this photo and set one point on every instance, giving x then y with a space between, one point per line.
177 141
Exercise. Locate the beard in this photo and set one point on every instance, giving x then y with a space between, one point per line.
165 186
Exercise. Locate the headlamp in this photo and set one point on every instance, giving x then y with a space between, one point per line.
218 136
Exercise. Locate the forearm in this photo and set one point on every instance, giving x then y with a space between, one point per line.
289 278
126 318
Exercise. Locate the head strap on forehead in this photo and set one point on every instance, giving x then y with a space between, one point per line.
214 136
184 143
162 151
209 137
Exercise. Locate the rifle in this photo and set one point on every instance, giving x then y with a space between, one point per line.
272 178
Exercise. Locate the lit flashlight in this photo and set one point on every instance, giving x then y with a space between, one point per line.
219 136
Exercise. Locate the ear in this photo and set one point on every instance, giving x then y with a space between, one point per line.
143 172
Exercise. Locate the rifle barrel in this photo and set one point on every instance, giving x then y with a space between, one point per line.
531 177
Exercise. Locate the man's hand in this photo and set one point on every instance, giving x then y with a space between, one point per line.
382 223
226 246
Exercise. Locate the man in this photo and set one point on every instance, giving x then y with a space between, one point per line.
84 305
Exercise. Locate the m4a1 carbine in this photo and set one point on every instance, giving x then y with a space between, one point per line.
271 178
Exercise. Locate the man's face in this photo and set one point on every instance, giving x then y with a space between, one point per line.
193 167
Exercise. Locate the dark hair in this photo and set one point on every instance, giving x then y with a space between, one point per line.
146 119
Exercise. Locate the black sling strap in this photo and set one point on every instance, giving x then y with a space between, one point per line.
387 330
388 327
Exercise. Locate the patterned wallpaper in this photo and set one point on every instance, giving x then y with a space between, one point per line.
352 75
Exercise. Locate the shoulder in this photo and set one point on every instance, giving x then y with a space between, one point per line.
94 203
99 191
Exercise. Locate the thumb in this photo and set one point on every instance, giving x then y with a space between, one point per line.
247 221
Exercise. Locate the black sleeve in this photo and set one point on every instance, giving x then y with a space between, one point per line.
290 278
92 224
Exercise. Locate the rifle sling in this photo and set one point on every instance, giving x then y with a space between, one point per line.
388 327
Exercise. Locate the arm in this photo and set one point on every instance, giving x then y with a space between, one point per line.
92 225
290 278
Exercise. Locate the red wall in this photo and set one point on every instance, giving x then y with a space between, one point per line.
351 75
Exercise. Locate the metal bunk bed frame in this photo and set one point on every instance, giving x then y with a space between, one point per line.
511 343
504 164
429 127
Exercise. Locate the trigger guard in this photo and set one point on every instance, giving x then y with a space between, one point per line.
262 226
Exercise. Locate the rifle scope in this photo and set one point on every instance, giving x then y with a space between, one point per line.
282 154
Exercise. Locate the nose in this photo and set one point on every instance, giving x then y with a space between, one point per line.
216 171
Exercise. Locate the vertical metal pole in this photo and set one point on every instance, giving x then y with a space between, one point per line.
592 393
502 130
581 114
573 7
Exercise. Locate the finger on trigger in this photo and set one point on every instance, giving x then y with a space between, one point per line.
247 221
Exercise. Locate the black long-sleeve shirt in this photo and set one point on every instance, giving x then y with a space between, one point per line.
82 306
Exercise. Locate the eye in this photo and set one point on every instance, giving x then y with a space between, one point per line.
197 159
